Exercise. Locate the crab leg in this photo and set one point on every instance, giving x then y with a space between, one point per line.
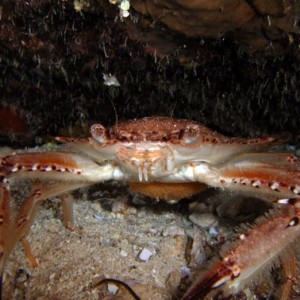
14 229
6 222
29 209
57 166
67 209
270 174
72 170
6 225
265 175
17 229
255 251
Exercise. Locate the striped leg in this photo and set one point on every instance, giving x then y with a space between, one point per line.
253 253
265 175
57 166
18 228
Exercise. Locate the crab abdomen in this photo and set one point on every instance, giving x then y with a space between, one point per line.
168 191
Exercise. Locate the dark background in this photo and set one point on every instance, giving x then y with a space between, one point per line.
52 61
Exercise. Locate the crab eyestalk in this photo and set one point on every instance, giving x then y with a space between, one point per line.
98 132
191 135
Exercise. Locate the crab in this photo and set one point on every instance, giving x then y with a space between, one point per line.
169 159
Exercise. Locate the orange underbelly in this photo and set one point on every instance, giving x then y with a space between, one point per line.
168 191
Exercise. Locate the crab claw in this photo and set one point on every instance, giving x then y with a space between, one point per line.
254 252
263 174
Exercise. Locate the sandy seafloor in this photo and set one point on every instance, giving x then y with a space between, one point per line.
114 232
109 246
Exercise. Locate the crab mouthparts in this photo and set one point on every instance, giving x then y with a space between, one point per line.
146 162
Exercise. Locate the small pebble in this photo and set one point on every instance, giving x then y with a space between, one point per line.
119 206
173 230
199 207
213 231
54 226
173 280
145 254
204 220
142 241
123 253
132 211
197 253
131 239
98 217
52 276
112 288
107 242
185 271
141 214
291 148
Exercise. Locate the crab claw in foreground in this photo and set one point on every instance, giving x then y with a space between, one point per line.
254 252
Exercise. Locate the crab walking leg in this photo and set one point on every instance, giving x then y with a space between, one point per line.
29 208
6 226
72 170
18 228
67 209
28 211
255 251
14 229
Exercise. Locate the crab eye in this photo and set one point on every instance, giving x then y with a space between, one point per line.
98 133
191 134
